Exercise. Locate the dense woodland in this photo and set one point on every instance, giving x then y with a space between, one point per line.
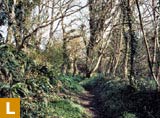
81 58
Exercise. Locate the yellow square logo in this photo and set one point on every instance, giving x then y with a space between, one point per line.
9 107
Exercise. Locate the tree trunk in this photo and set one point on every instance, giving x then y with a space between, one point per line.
119 53
51 26
132 44
96 23
126 39
147 47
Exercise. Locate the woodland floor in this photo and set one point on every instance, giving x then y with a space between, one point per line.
89 100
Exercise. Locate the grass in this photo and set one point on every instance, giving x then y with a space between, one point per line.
71 84
68 109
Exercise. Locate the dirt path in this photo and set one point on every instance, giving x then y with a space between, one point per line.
88 101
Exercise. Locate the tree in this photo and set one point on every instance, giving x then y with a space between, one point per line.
97 17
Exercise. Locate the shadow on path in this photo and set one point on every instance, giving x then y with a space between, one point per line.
90 102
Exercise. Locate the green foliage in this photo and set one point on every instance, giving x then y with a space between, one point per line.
20 90
117 99
56 59
21 77
60 109
37 87
68 109
13 64
52 57
70 83
129 115
146 84
89 82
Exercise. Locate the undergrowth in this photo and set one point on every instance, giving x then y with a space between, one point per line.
117 99
40 91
